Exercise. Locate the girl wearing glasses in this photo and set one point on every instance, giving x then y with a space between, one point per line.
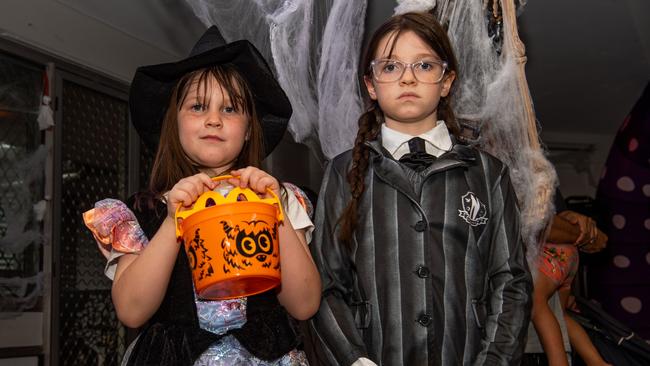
417 235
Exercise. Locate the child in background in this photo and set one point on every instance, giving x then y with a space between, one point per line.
553 275
417 235
219 111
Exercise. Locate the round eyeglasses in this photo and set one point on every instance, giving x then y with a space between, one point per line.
425 71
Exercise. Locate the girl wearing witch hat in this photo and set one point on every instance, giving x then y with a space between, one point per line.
219 111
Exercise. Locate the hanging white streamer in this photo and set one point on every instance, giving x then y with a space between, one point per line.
45 114
40 208
18 206
407 6
19 293
292 50
339 97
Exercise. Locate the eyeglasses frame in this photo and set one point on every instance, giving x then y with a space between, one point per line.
444 65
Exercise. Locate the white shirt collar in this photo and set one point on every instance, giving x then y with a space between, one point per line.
437 140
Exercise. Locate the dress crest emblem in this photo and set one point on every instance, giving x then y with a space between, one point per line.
474 211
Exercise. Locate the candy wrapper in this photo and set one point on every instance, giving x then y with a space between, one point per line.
115 227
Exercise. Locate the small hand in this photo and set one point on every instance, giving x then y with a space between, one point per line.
255 179
571 304
585 224
598 244
590 239
187 190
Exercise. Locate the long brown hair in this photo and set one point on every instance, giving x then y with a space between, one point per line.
171 163
425 26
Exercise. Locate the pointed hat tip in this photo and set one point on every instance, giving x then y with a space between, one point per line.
211 39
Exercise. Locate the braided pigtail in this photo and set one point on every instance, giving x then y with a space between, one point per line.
446 113
369 127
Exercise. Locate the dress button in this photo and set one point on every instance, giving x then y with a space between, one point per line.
422 271
424 320
420 226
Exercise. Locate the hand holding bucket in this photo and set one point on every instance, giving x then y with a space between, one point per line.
232 246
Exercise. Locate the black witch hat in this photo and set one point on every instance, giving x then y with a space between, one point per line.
152 86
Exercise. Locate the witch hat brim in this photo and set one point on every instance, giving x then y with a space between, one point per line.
152 87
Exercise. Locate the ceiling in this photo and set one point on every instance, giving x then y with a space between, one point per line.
588 61
169 23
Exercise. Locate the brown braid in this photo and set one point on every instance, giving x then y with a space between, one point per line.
369 127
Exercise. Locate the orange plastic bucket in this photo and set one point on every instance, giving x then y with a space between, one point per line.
232 246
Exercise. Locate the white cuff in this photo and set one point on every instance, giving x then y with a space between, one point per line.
363 362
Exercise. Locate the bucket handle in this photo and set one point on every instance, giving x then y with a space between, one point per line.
219 199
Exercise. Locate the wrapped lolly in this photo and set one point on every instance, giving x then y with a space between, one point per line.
115 227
